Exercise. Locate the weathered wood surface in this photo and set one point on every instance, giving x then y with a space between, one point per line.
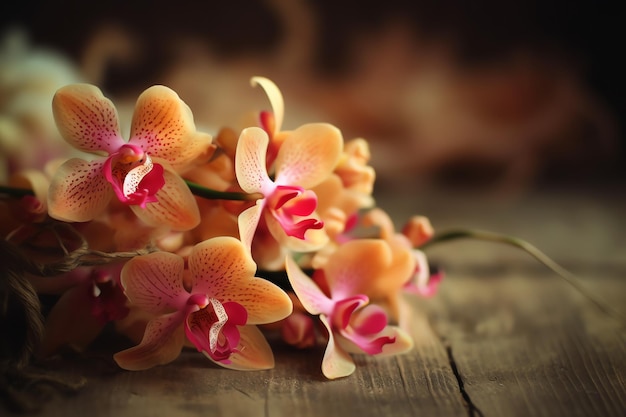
504 336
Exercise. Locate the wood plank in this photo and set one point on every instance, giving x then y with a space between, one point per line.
529 344
420 381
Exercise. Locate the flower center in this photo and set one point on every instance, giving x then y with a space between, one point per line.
291 206
213 328
133 175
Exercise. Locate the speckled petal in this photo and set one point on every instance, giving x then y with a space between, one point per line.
176 207
308 155
336 363
86 119
162 343
163 126
275 97
78 192
250 161
154 282
253 352
221 268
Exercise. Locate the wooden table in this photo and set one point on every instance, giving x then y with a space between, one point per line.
504 336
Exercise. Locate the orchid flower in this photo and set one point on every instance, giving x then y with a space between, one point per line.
306 157
416 232
271 121
340 299
91 298
142 173
217 314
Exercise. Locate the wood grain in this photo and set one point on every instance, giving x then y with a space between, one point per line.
504 337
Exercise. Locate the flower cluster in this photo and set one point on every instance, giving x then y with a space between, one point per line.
172 237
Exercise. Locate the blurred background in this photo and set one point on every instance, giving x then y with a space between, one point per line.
503 97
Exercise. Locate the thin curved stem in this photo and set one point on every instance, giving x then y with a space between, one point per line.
15 192
211 194
196 189
532 250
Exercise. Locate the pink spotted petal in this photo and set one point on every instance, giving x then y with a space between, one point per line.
250 162
275 97
336 363
176 207
78 192
162 343
163 126
252 353
223 268
86 119
310 295
154 282
308 155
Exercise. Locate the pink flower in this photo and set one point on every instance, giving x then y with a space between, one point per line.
91 298
216 314
142 173
307 157
354 325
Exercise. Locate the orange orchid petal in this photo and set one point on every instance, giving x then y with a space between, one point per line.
86 119
223 268
253 352
163 126
70 323
358 265
336 363
275 97
33 180
78 191
162 343
250 160
154 282
247 222
308 155
176 207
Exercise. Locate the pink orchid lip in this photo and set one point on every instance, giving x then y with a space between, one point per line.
213 328
133 175
289 202
361 323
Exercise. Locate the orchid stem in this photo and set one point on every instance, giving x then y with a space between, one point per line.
15 192
532 250
211 194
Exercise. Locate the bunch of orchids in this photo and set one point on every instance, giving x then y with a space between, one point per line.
173 237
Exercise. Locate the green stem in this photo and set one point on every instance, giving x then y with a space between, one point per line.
196 189
210 194
15 192
532 250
